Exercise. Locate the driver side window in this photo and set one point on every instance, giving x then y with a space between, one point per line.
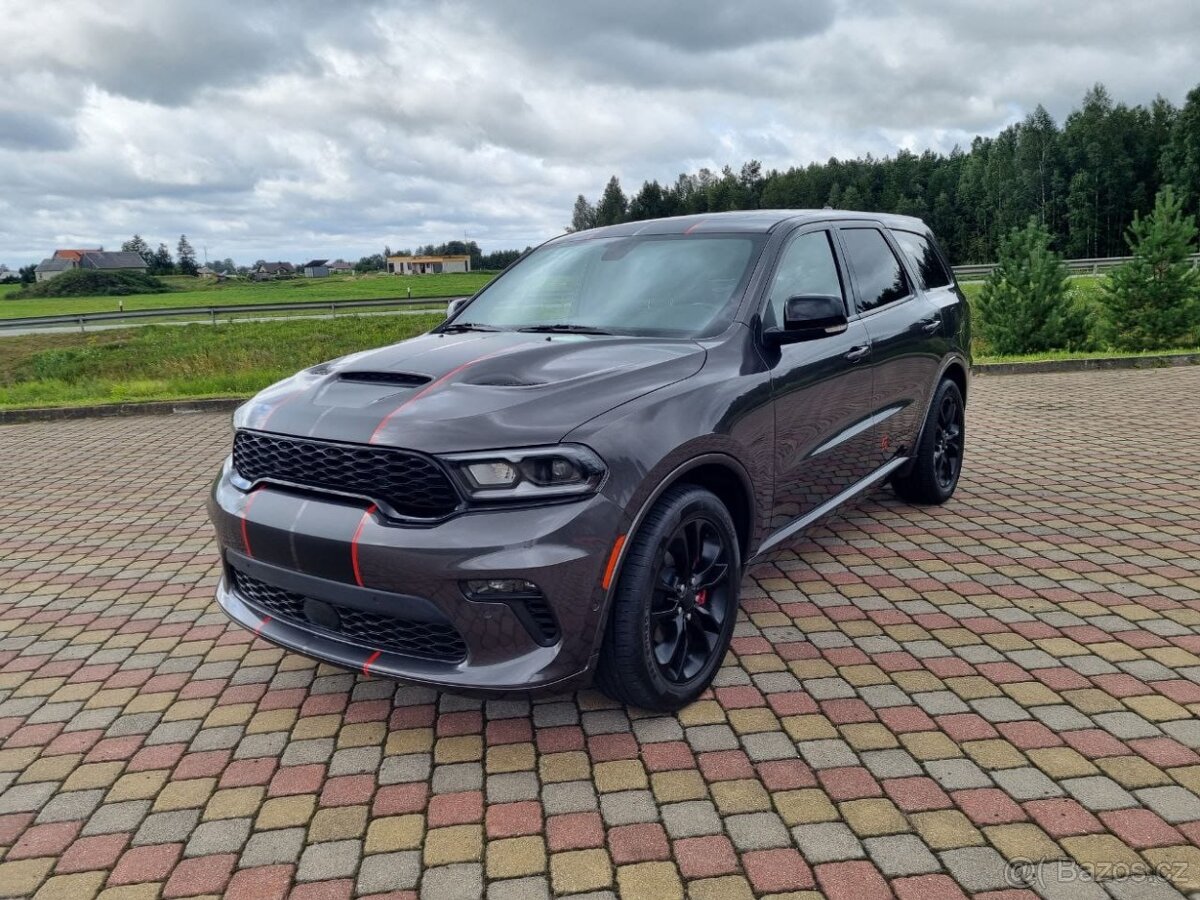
806 267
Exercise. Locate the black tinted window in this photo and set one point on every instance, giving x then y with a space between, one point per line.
806 267
930 268
878 273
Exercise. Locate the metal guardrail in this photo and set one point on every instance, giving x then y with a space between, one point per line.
1074 266
315 307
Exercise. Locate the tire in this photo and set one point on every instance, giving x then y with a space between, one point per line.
662 601
934 474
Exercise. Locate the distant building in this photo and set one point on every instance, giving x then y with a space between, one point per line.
341 267
273 270
102 260
113 261
427 265
316 268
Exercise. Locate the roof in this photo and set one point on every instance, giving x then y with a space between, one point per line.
74 255
113 259
340 264
315 263
755 221
277 267
55 265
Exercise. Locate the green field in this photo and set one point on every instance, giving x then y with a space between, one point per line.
170 362
207 292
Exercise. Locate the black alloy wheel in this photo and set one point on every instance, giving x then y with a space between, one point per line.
937 459
948 440
674 605
691 599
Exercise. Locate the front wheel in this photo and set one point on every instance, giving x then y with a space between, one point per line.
937 465
676 603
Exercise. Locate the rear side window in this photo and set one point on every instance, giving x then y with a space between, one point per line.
806 267
931 271
877 272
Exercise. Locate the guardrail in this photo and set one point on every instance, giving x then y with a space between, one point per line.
1074 266
316 307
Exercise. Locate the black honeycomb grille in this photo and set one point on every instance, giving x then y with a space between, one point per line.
428 640
401 482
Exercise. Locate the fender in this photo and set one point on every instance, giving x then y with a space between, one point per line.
951 359
667 481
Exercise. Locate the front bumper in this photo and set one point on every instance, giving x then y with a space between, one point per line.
339 554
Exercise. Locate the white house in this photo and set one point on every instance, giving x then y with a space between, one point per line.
427 265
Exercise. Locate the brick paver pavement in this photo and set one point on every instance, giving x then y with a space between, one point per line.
914 697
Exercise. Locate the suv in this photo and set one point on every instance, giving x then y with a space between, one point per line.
568 476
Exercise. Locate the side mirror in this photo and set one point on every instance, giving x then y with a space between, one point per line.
808 317
455 305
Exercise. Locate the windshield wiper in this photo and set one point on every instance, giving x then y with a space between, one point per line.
561 328
470 326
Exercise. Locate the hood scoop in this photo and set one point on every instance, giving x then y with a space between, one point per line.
355 390
392 379
502 380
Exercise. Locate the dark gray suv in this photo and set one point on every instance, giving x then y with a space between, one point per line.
567 478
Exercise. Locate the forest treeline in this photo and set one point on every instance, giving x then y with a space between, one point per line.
1084 180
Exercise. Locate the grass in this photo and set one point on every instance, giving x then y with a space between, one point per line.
1053 355
175 362
208 292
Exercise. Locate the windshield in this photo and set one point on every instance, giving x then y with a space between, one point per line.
654 285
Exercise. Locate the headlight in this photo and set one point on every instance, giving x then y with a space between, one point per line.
528 474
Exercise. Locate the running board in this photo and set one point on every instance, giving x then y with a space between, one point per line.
829 505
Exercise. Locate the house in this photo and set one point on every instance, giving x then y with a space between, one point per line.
341 267
427 265
273 270
102 260
316 268
113 261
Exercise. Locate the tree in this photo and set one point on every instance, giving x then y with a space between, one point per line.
583 216
28 274
1153 300
187 257
161 264
373 263
613 207
136 245
1023 307
1181 157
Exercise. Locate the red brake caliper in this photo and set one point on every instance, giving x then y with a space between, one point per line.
701 597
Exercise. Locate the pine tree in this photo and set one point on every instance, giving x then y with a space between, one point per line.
613 207
1153 300
583 216
187 257
1024 307
137 245
162 264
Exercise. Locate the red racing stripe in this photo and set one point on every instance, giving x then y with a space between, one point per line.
261 625
369 661
362 523
433 384
245 519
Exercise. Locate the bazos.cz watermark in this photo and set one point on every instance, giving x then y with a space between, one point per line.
1020 872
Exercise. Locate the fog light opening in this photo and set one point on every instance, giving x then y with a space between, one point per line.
501 588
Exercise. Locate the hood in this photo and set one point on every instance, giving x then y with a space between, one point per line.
443 393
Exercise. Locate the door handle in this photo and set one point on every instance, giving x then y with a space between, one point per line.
854 354
929 326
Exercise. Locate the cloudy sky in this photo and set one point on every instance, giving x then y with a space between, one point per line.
299 128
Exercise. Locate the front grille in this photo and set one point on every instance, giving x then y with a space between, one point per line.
403 483
428 640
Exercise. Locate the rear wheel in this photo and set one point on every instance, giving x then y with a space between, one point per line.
676 603
937 465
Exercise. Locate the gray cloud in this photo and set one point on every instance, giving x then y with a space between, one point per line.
296 128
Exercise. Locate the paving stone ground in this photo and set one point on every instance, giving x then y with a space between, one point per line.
926 703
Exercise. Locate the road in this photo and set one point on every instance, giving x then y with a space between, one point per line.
918 700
